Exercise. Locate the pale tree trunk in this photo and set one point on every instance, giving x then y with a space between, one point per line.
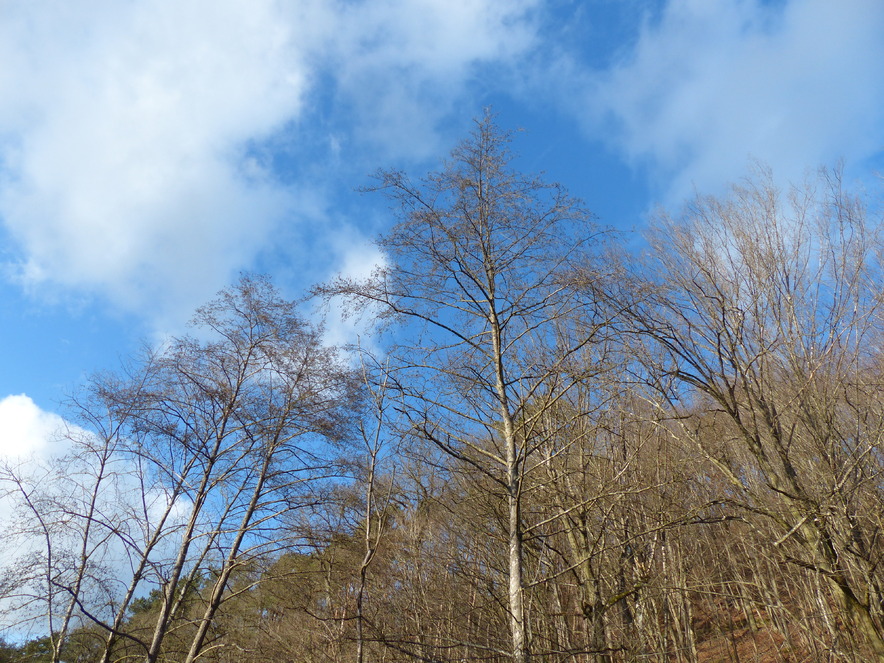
517 611
171 594
514 488
479 262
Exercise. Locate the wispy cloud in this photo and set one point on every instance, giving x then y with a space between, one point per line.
709 86
402 65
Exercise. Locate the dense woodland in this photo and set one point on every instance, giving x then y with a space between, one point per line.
548 447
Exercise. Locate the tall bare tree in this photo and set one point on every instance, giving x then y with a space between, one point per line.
491 333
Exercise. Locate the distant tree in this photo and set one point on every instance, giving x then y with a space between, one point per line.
766 313
9 653
38 650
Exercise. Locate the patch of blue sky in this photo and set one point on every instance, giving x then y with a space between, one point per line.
48 348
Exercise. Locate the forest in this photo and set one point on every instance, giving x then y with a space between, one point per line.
545 445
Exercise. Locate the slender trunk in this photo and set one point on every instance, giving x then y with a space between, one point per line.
360 637
517 613
366 560
230 563
514 489
137 577
169 599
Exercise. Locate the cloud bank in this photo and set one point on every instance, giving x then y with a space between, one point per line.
125 123
128 131
149 150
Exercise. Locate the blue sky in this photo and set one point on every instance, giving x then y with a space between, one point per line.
151 150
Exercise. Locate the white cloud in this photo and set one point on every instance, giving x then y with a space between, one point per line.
125 169
709 86
124 127
26 430
29 438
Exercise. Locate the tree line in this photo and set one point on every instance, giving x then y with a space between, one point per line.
550 448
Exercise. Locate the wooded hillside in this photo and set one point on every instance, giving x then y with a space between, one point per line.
550 448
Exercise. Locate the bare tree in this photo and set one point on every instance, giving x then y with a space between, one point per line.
492 334
378 490
212 441
768 308
69 515
240 428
